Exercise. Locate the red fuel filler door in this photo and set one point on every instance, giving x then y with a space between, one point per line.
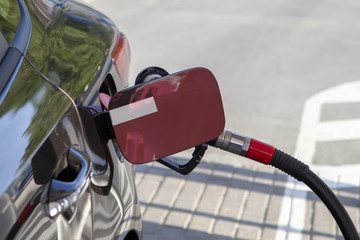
168 115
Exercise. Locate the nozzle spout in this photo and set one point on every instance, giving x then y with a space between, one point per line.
232 142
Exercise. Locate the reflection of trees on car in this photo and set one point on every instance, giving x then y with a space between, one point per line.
71 49
47 103
80 44
9 19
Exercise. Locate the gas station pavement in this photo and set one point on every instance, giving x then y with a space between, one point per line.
230 200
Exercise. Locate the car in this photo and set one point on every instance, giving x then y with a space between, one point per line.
61 176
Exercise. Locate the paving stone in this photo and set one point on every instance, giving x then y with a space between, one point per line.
225 228
178 219
172 233
199 227
248 232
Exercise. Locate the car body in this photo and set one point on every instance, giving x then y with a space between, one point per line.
61 177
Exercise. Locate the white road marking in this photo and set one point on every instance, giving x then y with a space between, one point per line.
293 210
338 130
312 130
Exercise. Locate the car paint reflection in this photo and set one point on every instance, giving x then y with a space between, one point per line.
27 115
38 123
80 38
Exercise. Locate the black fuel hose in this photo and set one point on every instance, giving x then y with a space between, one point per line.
268 155
302 172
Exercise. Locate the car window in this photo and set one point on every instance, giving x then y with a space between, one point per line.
15 27
9 19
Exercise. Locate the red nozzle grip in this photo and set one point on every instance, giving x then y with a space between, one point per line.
260 152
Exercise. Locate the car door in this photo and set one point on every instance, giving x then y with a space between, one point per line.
43 154
45 168
61 180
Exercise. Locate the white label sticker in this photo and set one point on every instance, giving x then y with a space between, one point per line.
133 111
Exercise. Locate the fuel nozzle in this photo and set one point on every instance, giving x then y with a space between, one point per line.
244 146
231 142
